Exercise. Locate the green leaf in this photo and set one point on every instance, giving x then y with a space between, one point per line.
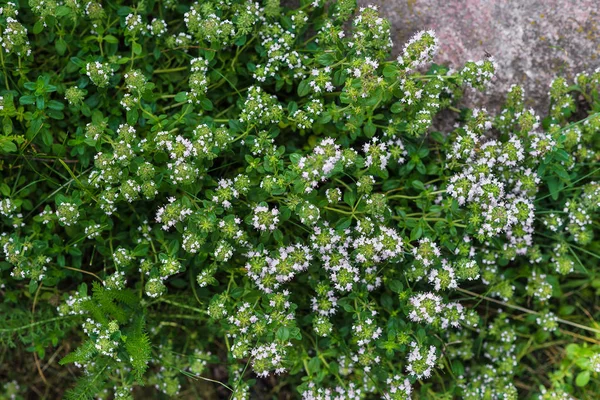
136 48
562 155
209 54
344 223
582 378
237 292
292 107
7 145
60 46
33 285
438 137
396 286
78 61
47 137
7 125
4 190
55 114
369 129
181 97
111 39
38 27
26 100
349 197
418 185
132 116
283 334
314 365
206 104
56 105
390 70
416 233
278 235
303 88
62 11
339 77
240 41
397 107
295 158
554 186
326 59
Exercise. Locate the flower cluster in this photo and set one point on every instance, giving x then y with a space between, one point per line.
99 73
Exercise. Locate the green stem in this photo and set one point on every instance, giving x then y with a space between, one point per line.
168 70
339 211
528 311
4 69
33 324
176 304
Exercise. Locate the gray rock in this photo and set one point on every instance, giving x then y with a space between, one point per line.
532 41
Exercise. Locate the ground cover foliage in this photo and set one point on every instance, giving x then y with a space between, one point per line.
236 199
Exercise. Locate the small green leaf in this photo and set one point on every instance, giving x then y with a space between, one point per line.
303 88
47 137
438 137
350 197
54 114
56 105
209 54
181 97
397 107
33 285
314 365
78 61
137 48
4 189
278 235
132 116
369 129
582 378
26 100
111 39
390 70
418 185
7 145
326 59
206 104
60 46
283 334
396 286
38 27
62 11
344 223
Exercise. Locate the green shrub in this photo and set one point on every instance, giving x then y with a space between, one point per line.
233 199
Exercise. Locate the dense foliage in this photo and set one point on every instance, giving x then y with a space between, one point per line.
234 199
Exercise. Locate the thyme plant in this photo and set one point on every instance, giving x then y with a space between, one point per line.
237 199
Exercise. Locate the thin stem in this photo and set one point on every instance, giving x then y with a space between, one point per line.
4 68
528 311
168 70
33 324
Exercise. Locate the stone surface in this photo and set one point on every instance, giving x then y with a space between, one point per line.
533 41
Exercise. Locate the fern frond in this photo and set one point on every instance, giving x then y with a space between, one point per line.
87 387
126 296
81 355
106 301
139 348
